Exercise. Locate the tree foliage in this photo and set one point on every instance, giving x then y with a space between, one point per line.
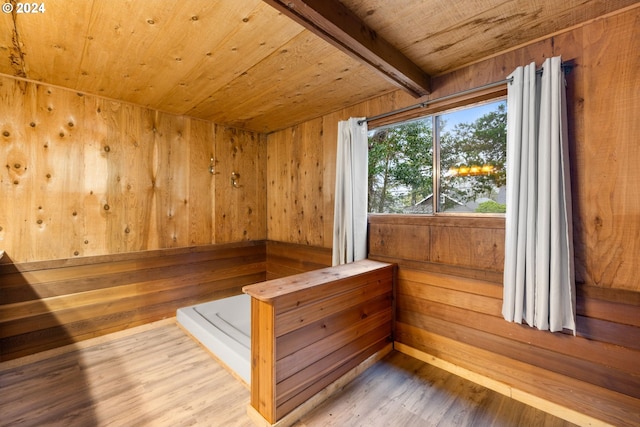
400 166
401 161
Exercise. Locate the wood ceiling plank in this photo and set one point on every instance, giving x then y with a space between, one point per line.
293 82
286 68
204 28
336 24
51 41
449 34
251 39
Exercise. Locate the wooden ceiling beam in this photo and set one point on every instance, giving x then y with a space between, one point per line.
338 25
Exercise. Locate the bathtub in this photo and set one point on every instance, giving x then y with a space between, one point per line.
224 328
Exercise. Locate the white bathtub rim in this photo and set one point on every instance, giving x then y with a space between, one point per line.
220 337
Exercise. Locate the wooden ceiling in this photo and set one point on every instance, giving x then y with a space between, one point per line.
245 64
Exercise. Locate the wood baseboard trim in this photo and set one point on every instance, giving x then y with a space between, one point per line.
321 396
502 388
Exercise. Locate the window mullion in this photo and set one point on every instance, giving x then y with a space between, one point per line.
436 163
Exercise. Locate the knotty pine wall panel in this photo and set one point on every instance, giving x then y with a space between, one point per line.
240 208
298 207
84 175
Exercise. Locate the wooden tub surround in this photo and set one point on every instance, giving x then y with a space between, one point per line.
310 329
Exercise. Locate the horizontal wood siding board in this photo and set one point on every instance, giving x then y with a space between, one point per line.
310 312
280 267
109 321
115 277
302 379
601 403
76 300
474 221
495 277
318 386
103 267
295 300
481 304
298 339
30 308
609 294
465 284
198 292
618 312
285 259
297 361
611 332
226 250
567 365
279 272
301 253
602 353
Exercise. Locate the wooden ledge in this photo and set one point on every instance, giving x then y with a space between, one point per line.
271 290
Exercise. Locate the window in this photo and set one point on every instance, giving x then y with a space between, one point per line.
452 162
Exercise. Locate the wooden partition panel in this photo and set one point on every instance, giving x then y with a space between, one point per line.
448 307
49 304
311 328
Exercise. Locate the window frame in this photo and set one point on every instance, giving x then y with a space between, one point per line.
441 106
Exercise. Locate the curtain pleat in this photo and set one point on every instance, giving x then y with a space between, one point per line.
350 211
539 284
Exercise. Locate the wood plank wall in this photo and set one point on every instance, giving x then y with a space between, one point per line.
450 274
48 304
449 302
314 327
84 175
286 259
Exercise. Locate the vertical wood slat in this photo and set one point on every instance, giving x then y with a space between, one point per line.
315 301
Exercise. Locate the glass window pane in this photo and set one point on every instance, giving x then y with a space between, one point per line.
473 145
401 168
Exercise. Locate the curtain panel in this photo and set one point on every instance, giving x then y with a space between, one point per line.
539 286
350 211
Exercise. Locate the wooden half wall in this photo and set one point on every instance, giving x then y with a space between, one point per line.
310 329
48 304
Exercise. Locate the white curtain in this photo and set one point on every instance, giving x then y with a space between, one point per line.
350 213
539 286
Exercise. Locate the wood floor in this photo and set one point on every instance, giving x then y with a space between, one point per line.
156 375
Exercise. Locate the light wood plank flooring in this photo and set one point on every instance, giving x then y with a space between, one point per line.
158 376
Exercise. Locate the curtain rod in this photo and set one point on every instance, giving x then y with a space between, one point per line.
566 67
